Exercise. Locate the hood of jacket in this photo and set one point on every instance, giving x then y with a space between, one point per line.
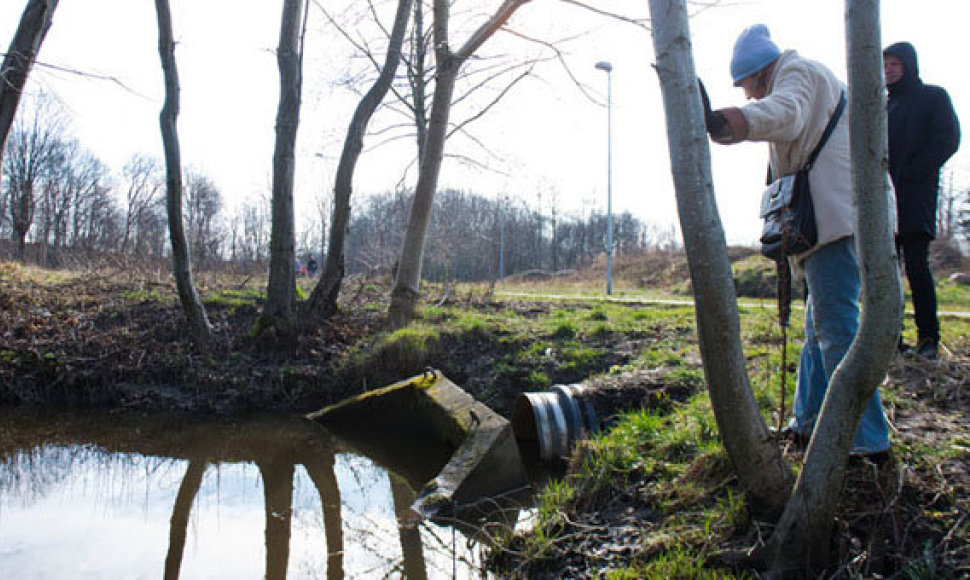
906 53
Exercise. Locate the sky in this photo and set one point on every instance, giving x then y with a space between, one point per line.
545 143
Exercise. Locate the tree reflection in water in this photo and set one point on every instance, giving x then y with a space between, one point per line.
191 483
40 457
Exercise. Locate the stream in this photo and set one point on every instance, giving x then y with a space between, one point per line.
99 495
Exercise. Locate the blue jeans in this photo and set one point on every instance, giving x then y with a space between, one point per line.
831 322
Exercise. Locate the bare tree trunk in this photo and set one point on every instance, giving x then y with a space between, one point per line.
757 460
181 265
404 296
407 284
323 300
26 43
278 313
22 212
801 540
419 82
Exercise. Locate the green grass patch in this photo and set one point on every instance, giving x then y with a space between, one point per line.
564 331
391 357
951 296
679 468
233 298
142 295
675 563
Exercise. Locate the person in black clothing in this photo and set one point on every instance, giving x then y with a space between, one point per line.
923 133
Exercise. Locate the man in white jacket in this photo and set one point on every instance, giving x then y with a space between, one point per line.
792 99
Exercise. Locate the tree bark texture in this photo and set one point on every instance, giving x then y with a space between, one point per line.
801 540
763 474
323 300
418 80
34 24
181 264
278 313
407 284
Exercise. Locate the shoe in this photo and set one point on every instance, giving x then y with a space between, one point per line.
927 348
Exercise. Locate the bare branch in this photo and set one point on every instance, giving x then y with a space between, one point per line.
493 74
489 28
85 74
362 48
705 5
560 57
475 163
638 22
493 102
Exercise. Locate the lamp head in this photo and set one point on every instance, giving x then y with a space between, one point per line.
604 65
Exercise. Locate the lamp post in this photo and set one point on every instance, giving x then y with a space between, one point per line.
606 66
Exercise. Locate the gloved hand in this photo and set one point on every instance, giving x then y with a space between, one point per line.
731 126
713 121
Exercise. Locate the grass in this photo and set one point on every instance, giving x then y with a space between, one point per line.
670 466
233 298
675 467
675 463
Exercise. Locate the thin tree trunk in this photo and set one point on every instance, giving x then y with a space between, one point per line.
181 264
419 83
407 284
801 539
22 212
26 43
278 313
764 476
323 300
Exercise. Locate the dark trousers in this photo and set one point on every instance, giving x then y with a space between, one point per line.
915 250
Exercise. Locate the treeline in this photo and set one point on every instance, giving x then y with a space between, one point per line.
58 199
56 195
478 237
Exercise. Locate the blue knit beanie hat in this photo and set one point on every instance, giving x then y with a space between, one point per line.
753 51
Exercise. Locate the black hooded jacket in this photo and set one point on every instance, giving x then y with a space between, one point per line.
923 133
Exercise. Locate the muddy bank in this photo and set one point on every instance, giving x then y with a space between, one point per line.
88 341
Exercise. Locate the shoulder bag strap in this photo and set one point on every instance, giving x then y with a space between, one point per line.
828 131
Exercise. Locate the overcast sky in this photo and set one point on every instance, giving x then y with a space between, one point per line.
547 138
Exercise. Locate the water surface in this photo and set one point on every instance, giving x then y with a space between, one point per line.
102 496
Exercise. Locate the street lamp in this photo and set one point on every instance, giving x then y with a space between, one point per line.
606 66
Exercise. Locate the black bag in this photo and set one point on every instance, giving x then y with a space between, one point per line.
787 208
789 217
